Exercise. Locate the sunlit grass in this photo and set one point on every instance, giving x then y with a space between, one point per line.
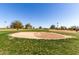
9 45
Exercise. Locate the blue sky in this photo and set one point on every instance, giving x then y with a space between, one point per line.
40 14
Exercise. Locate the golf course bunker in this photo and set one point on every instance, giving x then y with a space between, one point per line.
39 35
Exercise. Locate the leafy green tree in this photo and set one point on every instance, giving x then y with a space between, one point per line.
52 27
16 25
40 27
33 27
28 26
63 28
74 28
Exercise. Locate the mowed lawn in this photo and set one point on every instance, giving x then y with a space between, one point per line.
21 46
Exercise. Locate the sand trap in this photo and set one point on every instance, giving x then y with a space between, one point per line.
39 35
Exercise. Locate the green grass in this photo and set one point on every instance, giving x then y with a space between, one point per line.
14 46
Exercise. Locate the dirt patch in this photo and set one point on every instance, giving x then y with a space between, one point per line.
39 35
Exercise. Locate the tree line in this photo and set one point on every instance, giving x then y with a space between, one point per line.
18 25
65 28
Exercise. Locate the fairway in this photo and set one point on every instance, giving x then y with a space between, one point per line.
14 46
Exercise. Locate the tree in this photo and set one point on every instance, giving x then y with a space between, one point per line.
33 27
40 27
52 27
63 28
28 26
7 27
74 28
16 25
